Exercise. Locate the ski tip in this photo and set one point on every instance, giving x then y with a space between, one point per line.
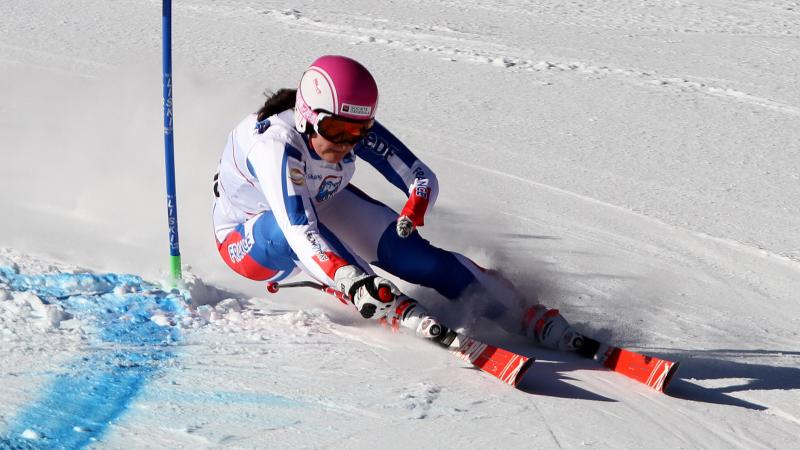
523 370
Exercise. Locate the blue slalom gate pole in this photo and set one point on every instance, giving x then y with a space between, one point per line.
169 145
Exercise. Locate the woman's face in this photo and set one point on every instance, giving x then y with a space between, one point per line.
329 151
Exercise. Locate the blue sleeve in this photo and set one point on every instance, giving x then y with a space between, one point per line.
388 155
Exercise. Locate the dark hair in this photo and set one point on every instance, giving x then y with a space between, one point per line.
277 102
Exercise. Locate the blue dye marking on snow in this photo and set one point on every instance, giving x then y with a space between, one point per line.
96 389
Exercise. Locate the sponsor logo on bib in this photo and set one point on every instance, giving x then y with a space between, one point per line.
328 187
297 176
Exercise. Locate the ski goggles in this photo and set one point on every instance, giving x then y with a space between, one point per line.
340 130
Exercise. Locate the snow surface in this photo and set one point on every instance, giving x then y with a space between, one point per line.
634 163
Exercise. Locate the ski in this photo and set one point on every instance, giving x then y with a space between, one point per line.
543 324
651 371
505 365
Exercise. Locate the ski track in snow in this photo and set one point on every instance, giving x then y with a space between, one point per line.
461 49
452 45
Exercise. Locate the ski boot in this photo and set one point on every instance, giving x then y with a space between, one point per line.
548 328
411 315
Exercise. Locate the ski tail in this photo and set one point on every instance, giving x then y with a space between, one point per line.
505 365
651 371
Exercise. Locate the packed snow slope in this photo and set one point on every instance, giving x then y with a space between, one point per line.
633 163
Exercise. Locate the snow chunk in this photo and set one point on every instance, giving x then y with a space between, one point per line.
161 320
31 434
54 315
544 65
204 312
201 293
502 62
227 305
28 306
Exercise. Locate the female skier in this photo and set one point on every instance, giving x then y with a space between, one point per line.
284 204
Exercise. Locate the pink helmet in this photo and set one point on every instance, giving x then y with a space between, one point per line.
337 85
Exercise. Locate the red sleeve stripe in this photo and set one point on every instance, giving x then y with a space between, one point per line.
329 262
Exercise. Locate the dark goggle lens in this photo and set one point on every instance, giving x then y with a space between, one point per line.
341 131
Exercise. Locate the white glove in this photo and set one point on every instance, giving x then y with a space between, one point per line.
404 227
372 295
